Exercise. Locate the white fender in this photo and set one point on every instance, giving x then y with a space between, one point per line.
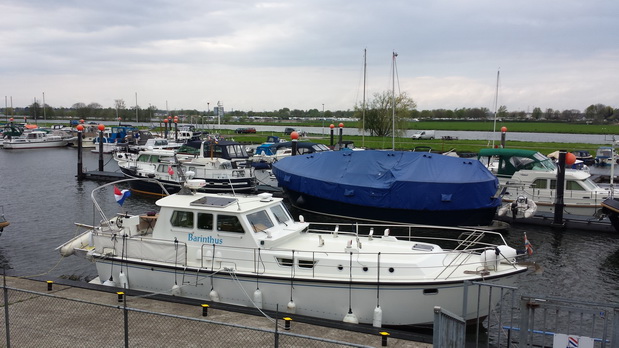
79 242
292 308
378 317
531 209
350 317
258 298
214 296
503 210
124 280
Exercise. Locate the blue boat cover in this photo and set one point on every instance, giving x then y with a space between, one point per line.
391 179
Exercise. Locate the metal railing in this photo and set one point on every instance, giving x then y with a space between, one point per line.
35 319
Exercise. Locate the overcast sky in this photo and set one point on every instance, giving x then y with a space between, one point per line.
303 54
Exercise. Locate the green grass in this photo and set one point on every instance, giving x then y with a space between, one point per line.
512 126
461 146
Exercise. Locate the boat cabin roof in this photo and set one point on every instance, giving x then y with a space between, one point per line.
513 160
239 204
223 149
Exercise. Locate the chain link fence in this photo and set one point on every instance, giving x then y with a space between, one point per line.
35 319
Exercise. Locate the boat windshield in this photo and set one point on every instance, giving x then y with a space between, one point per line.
538 162
589 184
260 221
281 214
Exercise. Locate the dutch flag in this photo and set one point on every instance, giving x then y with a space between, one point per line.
121 195
527 245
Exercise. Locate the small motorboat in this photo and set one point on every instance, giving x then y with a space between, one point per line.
34 140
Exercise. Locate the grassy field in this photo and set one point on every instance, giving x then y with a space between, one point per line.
529 127
461 146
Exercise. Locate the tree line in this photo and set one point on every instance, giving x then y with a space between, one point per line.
377 113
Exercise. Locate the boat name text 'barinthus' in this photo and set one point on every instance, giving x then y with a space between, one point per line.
207 240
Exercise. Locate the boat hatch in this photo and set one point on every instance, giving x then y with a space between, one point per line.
423 247
220 202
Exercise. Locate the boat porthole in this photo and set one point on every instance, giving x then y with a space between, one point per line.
430 291
391 270
340 267
365 269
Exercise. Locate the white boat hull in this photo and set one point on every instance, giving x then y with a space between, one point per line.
402 304
34 145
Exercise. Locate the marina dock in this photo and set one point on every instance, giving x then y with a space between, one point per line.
68 318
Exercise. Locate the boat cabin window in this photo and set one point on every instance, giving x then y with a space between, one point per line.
212 151
237 151
260 221
205 221
573 186
163 168
281 214
182 219
540 184
229 223
144 158
588 184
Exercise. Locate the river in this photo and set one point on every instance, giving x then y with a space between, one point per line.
42 199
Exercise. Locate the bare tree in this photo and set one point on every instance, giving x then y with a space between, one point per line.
380 116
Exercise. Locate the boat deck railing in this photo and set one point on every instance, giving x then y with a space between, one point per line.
354 261
464 238
96 190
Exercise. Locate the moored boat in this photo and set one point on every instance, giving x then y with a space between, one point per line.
249 251
35 139
610 207
170 169
394 186
529 174
605 156
274 150
112 138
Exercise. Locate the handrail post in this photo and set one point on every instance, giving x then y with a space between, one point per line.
6 308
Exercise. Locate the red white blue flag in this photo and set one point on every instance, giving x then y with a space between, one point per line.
121 195
527 245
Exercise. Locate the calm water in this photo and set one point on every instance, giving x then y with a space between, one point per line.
42 200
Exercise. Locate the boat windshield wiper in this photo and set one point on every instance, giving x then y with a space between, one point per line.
279 220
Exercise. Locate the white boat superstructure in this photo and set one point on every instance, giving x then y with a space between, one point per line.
529 174
167 167
35 139
248 250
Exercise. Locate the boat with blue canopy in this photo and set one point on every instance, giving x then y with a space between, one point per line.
393 186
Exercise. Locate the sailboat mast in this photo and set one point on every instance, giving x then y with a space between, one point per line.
496 104
136 107
393 102
363 104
